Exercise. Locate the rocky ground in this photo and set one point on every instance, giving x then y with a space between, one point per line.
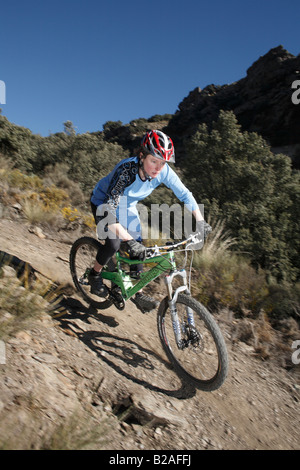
100 380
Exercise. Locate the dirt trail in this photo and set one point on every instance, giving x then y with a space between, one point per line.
110 365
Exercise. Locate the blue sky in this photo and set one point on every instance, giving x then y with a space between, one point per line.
96 61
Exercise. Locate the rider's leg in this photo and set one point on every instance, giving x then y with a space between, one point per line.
97 267
106 251
104 254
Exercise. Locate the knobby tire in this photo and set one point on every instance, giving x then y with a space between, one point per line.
199 361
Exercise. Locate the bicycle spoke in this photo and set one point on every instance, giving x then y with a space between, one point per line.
199 360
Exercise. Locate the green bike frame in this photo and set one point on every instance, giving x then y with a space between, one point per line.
125 282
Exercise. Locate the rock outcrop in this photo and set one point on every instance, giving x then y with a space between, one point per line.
262 102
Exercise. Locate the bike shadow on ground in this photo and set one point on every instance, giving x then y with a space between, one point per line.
130 359
133 360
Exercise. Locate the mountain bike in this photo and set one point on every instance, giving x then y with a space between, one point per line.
188 332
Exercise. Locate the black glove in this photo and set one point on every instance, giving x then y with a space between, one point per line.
207 229
136 250
203 228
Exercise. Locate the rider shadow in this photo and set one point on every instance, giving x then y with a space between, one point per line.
124 356
74 309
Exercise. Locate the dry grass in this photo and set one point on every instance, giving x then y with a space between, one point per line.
226 279
5 163
19 304
37 213
218 243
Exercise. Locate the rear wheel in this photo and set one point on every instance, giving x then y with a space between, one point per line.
201 356
82 258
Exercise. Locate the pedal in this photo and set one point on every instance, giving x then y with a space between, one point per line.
117 298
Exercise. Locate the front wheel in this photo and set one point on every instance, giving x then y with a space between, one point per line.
201 356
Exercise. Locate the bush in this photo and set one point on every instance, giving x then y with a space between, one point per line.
36 212
18 179
235 174
57 176
283 302
227 280
230 281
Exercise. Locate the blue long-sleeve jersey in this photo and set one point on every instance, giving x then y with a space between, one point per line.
123 188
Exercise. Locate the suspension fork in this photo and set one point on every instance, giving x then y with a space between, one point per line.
172 299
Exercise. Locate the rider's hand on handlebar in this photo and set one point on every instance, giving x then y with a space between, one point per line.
136 250
203 229
207 229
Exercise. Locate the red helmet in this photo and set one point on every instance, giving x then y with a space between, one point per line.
159 145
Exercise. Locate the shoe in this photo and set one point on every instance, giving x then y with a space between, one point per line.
96 283
144 303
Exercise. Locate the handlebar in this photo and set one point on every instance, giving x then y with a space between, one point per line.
192 240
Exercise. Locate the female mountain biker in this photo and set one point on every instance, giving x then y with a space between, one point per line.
114 205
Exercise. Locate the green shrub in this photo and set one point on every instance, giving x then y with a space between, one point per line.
283 301
236 176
